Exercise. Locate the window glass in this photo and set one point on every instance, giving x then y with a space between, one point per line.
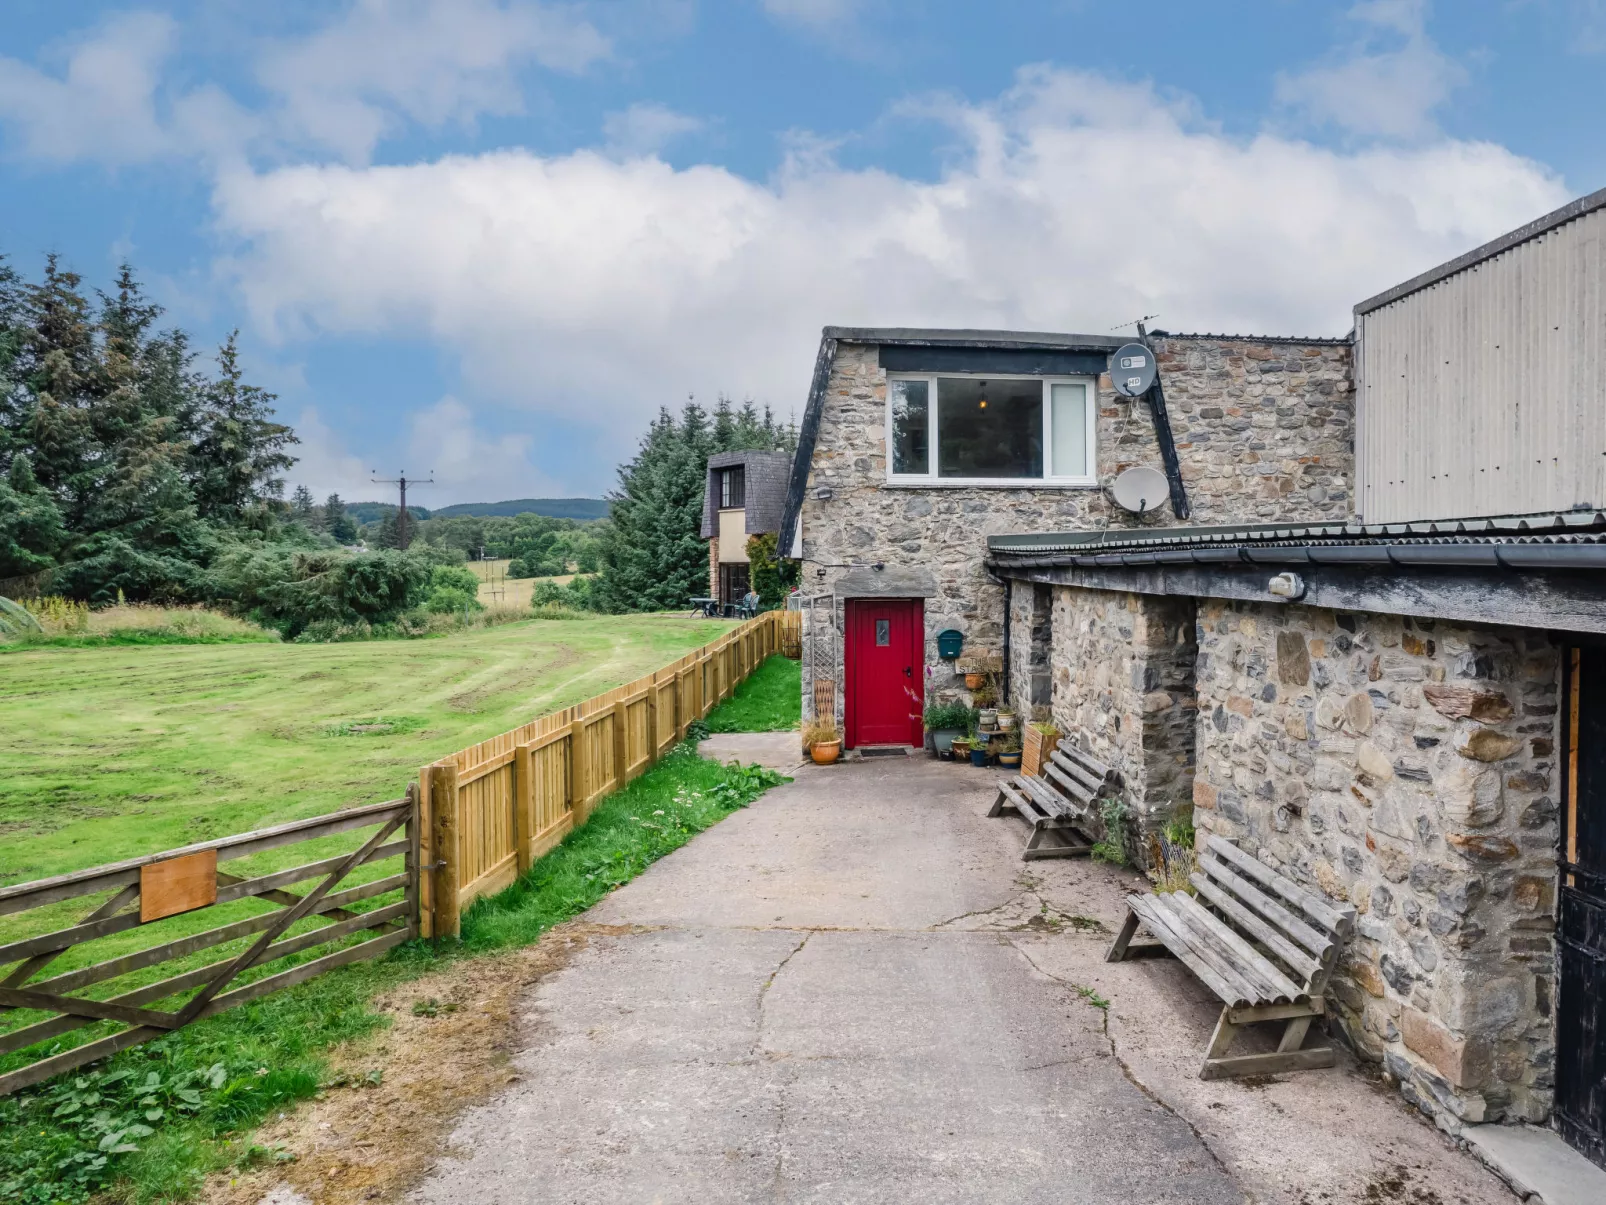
1070 430
911 425
730 488
989 428
883 633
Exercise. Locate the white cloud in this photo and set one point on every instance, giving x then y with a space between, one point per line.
596 289
443 441
434 62
364 76
646 129
102 104
1375 90
323 465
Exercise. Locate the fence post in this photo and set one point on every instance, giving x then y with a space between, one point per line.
652 721
443 803
577 770
416 847
523 804
426 855
621 745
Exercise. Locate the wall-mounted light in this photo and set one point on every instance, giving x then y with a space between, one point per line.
982 403
1287 585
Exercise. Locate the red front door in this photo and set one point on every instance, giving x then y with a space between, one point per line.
885 671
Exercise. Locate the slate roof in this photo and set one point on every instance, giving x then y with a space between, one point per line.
764 490
1570 540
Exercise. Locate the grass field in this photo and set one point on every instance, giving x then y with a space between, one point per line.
218 743
106 753
514 591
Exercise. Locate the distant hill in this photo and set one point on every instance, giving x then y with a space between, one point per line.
556 508
373 512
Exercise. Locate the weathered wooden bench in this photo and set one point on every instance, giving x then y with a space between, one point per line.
1057 805
1261 942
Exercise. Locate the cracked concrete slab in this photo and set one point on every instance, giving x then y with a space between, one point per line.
854 990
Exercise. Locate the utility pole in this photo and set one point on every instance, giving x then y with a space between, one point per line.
403 519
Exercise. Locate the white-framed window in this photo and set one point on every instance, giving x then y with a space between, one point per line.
991 430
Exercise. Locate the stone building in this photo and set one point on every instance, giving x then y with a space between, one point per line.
1363 641
744 497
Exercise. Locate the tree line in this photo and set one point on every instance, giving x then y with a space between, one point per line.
132 467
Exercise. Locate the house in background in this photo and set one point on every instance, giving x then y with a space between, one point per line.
1364 643
744 497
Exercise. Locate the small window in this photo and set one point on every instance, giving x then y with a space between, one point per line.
731 487
991 430
883 633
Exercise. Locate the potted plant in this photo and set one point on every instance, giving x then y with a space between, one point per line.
944 722
1006 719
823 740
1009 755
975 681
959 749
981 749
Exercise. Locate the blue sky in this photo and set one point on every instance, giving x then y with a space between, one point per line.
489 238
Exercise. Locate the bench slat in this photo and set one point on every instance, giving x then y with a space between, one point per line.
1196 950
1316 942
1068 766
1206 938
1016 799
1049 800
1296 959
1089 763
1158 923
1337 922
1080 792
1279 985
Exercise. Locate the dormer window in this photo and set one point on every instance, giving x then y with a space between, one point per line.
1000 431
731 487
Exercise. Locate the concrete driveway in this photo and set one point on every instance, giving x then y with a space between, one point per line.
855 991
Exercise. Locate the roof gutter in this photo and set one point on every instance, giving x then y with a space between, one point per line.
1517 558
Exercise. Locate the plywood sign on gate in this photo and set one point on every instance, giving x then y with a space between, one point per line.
177 885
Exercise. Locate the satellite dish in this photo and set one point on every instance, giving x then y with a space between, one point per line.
1132 370
1140 489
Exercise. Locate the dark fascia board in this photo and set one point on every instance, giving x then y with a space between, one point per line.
1567 213
920 336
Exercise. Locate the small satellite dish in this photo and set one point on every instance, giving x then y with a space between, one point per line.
1132 370
1140 489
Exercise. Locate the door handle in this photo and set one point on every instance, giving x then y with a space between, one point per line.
908 671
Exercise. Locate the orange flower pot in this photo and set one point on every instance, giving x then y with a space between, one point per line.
825 752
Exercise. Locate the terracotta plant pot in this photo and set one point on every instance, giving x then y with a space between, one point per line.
974 681
825 752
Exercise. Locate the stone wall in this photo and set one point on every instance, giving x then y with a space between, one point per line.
1030 647
713 567
1123 667
1264 430
1408 768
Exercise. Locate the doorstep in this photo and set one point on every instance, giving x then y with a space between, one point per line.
1537 1164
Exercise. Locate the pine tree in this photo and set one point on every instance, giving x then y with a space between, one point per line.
302 509
241 450
337 522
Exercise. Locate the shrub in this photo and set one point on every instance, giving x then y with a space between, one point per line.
953 716
577 595
444 600
292 589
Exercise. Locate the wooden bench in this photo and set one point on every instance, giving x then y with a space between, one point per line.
1261 942
1057 805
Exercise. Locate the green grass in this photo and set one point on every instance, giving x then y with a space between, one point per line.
108 753
770 700
81 1134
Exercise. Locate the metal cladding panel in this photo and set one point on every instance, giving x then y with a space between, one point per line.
1484 392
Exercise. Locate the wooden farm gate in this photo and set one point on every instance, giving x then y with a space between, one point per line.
173 887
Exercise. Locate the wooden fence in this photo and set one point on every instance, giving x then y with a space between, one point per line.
149 890
489 811
475 821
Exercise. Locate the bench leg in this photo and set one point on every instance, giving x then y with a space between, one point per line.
1287 1057
1062 845
1117 950
999 805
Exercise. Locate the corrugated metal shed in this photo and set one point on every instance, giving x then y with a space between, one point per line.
1482 384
